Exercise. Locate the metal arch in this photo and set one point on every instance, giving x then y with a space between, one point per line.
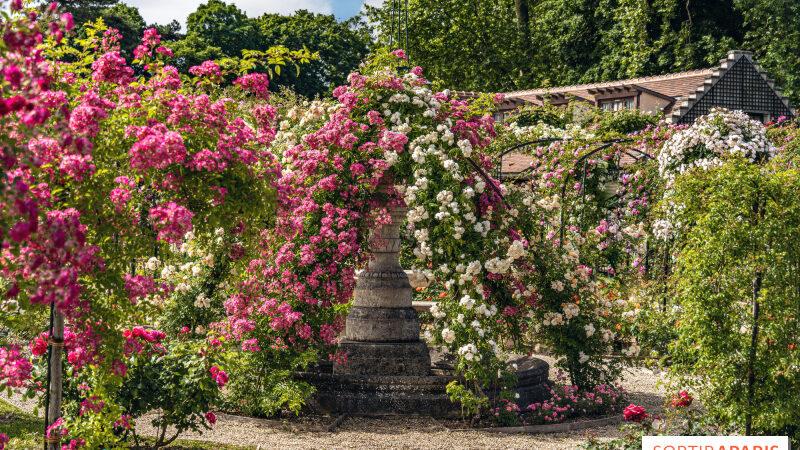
583 159
400 7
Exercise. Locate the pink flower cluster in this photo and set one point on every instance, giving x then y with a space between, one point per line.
56 257
208 69
172 221
257 83
156 148
111 68
15 369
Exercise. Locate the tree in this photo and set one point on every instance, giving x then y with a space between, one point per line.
85 10
341 46
773 33
647 38
470 45
191 51
169 32
521 44
130 24
222 25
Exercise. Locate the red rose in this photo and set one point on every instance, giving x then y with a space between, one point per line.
634 413
682 399
212 419
38 347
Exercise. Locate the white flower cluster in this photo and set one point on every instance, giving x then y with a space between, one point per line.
632 351
712 137
448 335
570 310
202 301
553 318
469 352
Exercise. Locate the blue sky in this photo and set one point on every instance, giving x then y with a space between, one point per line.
164 11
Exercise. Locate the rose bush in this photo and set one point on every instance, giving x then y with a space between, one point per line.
108 168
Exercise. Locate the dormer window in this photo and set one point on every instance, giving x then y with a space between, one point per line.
618 104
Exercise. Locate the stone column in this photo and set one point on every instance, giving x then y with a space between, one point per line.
382 328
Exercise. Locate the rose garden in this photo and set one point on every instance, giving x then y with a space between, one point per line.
176 247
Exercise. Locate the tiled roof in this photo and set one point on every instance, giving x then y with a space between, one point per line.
514 163
672 84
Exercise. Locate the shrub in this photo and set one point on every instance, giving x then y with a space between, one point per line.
180 380
733 217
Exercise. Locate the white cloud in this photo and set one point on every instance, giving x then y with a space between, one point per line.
161 11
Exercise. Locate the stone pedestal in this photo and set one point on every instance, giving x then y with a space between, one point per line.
388 368
382 328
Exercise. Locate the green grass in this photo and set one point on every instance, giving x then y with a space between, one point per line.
25 432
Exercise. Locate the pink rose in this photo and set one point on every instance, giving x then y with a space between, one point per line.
211 418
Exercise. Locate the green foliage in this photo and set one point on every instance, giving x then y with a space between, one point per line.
520 44
85 10
218 30
555 116
262 383
471 403
130 24
625 121
341 46
176 383
736 283
773 34
224 25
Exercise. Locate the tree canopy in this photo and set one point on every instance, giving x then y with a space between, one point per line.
522 44
492 46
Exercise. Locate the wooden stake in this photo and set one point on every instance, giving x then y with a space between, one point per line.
56 342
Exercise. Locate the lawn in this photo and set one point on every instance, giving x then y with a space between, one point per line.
25 430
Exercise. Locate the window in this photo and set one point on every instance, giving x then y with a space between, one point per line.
617 104
501 116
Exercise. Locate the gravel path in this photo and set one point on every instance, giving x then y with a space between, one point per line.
406 432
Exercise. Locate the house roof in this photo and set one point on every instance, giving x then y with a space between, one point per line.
676 86
684 92
671 84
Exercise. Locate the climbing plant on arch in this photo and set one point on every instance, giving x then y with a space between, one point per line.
511 279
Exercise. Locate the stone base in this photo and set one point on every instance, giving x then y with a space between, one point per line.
370 395
532 379
377 395
384 359
379 324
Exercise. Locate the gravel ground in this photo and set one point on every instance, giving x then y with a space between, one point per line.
406 432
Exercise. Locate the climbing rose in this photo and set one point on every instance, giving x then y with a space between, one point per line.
38 346
212 419
172 221
634 413
14 368
257 83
